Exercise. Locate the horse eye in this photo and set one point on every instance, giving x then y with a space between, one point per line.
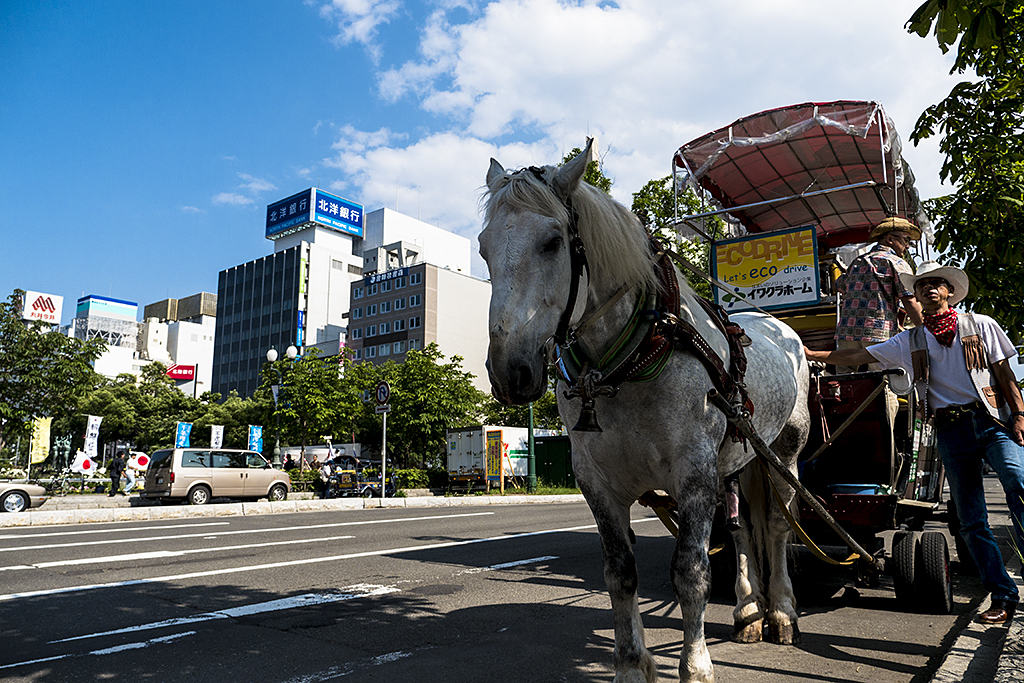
554 244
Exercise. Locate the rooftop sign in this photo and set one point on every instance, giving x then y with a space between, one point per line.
313 206
40 306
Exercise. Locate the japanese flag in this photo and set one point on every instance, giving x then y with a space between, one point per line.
83 464
138 461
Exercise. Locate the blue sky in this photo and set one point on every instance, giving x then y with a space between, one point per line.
141 142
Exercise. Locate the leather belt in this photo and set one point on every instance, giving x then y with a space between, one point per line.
953 413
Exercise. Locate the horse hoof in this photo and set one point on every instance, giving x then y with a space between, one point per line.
750 633
782 633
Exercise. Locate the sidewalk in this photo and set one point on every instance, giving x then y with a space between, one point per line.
980 654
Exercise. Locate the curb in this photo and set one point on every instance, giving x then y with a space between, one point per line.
92 515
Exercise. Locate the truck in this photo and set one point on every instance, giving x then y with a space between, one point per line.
467 453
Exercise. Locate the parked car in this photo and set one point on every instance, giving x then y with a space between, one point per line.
197 475
18 496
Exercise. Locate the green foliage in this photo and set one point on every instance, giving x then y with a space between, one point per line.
412 479
42 372
981 224
545 410
593 175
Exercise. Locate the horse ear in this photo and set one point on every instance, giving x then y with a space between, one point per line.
570 174
495 172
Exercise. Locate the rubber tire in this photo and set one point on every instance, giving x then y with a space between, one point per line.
277 493
934 589
367 493
905 551
14 501
200 495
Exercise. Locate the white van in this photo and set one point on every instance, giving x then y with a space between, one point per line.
197 475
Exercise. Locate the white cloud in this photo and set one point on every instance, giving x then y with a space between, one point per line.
357 20
191 209
255 185
644 76
231 198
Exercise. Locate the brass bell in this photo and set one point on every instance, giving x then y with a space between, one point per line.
588 419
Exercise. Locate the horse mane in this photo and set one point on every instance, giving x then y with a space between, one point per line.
617 244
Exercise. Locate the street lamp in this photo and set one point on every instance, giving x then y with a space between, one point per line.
291 352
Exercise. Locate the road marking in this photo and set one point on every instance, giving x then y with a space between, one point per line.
104 651
507 565
296 563
361 590
242 531
109 531
160 554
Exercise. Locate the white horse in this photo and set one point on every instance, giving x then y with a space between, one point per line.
659 434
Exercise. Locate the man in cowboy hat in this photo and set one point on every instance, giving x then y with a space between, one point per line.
960 362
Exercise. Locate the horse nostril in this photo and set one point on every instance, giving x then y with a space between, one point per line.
521 377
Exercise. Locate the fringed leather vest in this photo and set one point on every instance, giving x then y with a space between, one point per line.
977 367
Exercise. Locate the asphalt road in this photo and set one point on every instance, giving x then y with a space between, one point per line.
455 594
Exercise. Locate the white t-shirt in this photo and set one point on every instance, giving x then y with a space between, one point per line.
949 384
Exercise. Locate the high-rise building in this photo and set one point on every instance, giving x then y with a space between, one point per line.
113 321
300 294
180 334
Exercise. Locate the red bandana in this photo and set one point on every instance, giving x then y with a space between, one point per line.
943 326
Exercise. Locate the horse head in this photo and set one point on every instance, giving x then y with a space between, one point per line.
526 244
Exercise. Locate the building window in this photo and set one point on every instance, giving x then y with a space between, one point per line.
385 306
385 286
355 270
415 344
384 349
357 313
371 290
414 322
371 351
399 325
357 333
415 279
399 282
398 347
399 304
357 292
358 354
371 331
385 328
415 300
371 310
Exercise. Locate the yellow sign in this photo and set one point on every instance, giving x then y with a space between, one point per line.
40 448
495 449
773 270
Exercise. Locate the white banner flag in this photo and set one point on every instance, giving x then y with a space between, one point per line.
83 464
92 435
216 436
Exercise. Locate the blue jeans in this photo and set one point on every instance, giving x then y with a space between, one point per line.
963 444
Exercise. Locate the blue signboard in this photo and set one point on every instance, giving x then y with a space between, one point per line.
289 213
386 275
338 213
255 438
182 434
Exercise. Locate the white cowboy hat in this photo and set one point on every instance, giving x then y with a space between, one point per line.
932 269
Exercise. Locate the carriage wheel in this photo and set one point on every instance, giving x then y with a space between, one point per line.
934 589
905 552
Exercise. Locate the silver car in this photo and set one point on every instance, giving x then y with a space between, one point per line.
19 496
197 475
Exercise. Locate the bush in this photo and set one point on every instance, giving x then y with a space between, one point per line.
412 479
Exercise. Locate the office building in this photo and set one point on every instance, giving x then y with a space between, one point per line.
113 321
180 334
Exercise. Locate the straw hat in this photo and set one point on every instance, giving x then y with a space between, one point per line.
931 270
894 223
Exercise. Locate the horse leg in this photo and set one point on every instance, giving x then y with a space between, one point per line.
691 576
633 663
782 627
748 614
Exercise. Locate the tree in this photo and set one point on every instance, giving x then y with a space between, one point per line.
655 204
42 372
308 407
981 224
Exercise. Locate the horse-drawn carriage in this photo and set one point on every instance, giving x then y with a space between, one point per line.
828 173
668 395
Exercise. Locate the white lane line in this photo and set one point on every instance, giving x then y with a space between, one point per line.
160 554
362 590
507 565
296 563
83 532
104 651
241 531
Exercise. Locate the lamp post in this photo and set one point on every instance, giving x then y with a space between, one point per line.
291 352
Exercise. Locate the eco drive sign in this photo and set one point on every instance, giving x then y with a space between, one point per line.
45 307
314 206
776 270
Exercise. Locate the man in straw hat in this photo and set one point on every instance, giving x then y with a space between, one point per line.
872 295
960 362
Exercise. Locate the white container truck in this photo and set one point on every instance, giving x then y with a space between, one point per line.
467 453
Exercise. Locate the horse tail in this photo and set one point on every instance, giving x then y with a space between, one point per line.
760 500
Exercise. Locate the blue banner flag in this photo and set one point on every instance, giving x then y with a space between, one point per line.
182 435
255 438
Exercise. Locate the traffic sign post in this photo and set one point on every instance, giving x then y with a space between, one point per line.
382 393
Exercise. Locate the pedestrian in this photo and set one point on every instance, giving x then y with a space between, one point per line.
960 362
115 469
872 295
326 476
131 472
289 462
